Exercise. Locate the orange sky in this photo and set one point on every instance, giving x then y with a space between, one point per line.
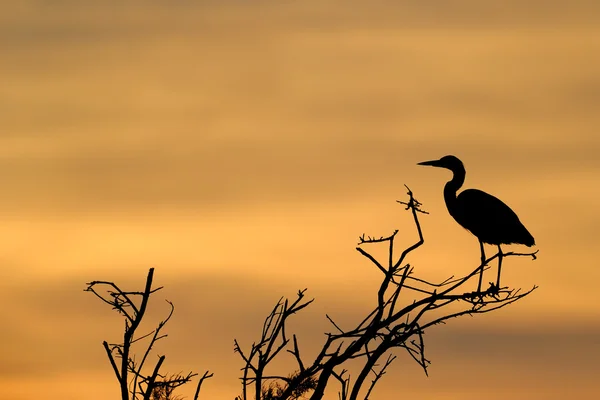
241 149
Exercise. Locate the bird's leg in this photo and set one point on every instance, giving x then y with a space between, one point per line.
500 255
482 265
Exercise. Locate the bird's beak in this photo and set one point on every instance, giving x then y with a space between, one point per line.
433 163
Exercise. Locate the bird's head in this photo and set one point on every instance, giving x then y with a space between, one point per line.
449 162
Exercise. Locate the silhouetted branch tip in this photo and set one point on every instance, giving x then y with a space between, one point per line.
412 202
372 239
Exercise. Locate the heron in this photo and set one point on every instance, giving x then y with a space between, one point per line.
482 214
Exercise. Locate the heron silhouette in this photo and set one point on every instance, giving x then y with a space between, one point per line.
484 215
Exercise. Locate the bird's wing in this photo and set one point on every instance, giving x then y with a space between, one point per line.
489 218
484 205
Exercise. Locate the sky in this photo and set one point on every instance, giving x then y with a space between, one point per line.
241 148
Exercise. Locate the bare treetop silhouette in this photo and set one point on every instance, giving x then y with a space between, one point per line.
482 214
392 324
405 307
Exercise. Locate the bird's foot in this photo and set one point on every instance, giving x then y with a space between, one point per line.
494 290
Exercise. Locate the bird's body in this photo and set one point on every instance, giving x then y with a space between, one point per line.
484 215
489 219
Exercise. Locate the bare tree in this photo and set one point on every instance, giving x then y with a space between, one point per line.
133 381
390 325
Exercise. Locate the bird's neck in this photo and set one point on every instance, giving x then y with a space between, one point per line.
451 188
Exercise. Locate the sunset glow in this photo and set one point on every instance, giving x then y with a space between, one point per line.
241 148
